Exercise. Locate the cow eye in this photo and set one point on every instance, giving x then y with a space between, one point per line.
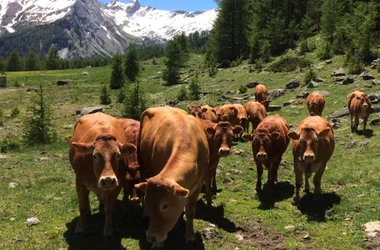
118 156
165 207
95 157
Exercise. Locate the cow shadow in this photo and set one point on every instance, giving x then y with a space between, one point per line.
368 133
215 215
283 191
316 210
125 224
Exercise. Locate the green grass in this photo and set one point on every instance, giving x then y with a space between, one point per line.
46 190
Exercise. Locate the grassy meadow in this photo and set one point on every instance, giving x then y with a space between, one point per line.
239 218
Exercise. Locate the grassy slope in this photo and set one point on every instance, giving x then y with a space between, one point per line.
46 188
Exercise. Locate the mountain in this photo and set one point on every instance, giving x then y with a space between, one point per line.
83 28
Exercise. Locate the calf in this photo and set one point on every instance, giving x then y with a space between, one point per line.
269 142
219 137
209 113
173 149
256 112
131 129
97 155
315 103
241 116
196 111
359 106
313 146
261 95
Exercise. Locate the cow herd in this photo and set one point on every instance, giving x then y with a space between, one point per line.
165 159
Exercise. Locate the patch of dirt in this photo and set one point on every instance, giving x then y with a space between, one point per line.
6 91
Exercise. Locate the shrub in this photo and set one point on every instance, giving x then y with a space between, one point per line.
355 67
225 64
237 62
105 95
7 145
303 47
1 116
310 74
17 84
289 64
15 112
243 89
182 95
212 71
135 102
324 50
259 64
121 96
194 89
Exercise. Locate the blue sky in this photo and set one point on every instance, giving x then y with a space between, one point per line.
188 5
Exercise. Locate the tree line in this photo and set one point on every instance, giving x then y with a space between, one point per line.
259 30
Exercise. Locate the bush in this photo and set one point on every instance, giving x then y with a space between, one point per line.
355 67
7 145
237 62
289 64
15 112
194 89
225 64
105 95
303 47
325 50
135 102
17 84
1 116
122 94
212 71
310 74
259 64
182 95
243 89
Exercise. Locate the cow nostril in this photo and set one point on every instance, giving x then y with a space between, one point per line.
103 182
113 181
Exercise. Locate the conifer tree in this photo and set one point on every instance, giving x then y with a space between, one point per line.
173 62
105 95
14 62
132 67
52 59
32 62
2 64
135 102
117 74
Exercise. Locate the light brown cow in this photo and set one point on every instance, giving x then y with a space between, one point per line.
359 106
131 129
313 146
219 137
229 113
315 103
196 111
269 142
255 113
241 116
209 113
173 148
97 149
261 95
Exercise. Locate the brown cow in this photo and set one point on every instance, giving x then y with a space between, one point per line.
261 95
96 147
269 142
209 113
131 129
173 148
229 113
241 116
313 145
196 111
219 137
255 113
359 106
315 103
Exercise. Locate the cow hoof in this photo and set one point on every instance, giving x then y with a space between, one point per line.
107 234
79 230
157 245
191 239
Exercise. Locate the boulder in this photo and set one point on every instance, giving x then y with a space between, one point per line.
366 76
328 62
375 82
302 95
251 85
339 72
317 79
323 92
293 102
375 122
335 123
274 108
293 84
375 63
89 110
276 93
340 113
63 82
344 80
312 84
84 73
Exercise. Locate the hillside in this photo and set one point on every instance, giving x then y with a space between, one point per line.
239 219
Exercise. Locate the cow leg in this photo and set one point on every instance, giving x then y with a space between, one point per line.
274 167
298 173
365 122
317 181
356 123
208 189
108 210
307 185
84 205
130 195
190 208
214 187
260 171
351 122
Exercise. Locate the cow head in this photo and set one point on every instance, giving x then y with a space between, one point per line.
195 111
308 142
206 109
165 199
313 109
261 141
106 153
221 135
265 103
365 102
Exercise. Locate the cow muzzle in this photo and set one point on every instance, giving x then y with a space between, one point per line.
365 105
224 151
155 238
261 156
108 182
309 157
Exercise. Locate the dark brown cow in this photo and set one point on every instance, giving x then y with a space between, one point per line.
196 111
173 148
241 116
219 137
131 130
228 113
315 103
255 113
269 142
359 106
97 149
261 95
313 146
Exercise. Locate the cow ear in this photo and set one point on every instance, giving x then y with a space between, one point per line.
204 109
237 129
189 107
293 135
141 186
324 133
213 110
274 136
247 137
210 131
180 191
127 148
358 97
82 147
